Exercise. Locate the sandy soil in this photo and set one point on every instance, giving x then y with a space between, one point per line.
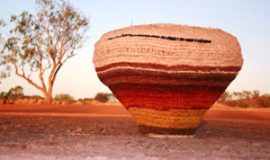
108 132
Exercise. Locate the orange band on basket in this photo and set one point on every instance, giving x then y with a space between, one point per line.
175 118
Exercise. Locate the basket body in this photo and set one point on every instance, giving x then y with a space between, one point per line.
167 76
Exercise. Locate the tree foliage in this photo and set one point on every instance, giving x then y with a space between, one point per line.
41 43
3 73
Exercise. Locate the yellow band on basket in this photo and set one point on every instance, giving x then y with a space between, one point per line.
174 118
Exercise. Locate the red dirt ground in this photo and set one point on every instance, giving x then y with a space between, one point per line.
109 132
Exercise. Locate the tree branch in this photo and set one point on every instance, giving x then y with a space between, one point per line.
41 73
26 78
59 67
55 72
40 68
49 43
68 57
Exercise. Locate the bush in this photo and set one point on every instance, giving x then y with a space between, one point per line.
264 101
102 97
64 99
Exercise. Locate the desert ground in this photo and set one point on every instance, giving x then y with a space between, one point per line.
108 132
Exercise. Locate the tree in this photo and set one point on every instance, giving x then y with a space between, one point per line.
247 94
17 91
238 95
41 43
255 94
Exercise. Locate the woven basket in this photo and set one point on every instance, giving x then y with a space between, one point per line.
166 75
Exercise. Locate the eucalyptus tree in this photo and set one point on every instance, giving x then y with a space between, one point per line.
40 44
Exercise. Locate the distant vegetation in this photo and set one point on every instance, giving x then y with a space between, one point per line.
245 99
16 96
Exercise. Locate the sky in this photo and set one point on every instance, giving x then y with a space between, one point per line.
248 20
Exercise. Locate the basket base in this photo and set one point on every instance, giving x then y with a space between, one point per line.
168 122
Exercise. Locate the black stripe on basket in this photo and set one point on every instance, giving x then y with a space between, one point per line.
162 37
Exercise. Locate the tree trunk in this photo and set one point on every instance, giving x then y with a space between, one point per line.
49 96
48 99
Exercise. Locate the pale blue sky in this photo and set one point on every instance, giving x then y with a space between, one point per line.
248 20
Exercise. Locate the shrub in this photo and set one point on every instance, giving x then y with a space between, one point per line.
102 97
64 98
264 101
